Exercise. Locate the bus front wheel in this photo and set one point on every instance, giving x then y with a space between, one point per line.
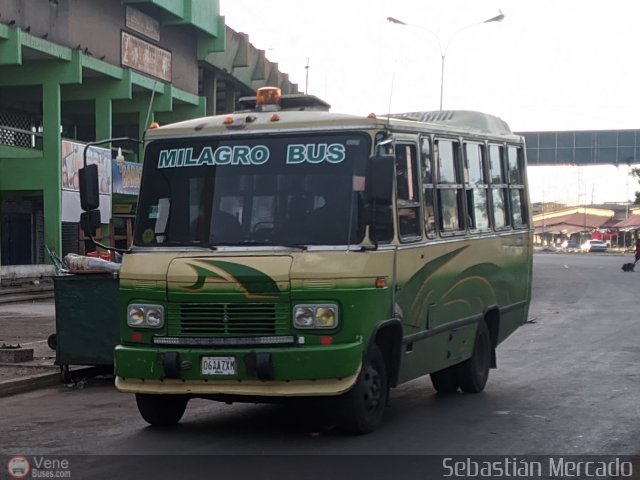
361 408
474 372
161 410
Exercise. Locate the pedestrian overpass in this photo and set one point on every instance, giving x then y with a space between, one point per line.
583 147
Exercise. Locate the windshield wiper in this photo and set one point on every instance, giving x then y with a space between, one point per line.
256 243
189 243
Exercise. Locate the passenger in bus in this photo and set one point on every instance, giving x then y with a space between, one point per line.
225 228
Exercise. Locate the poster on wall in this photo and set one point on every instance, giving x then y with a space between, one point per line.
126 177
72 161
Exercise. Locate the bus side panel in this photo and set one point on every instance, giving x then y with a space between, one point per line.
453 284
520 274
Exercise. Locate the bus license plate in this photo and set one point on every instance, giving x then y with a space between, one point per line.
218 365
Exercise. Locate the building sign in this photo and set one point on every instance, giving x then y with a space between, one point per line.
143 23
126 178
145 57
72 161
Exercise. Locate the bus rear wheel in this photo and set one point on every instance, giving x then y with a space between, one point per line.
161 410
445 381
473 373
361 408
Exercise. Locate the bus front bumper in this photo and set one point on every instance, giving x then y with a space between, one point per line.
275 372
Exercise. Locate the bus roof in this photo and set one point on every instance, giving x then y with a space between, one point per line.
306 112
467 119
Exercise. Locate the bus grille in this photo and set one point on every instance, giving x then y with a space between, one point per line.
228 319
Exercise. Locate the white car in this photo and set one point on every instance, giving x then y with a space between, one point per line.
570 244
593 246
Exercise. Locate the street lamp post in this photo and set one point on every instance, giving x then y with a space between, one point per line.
443 53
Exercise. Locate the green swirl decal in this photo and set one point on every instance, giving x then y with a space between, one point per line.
255 283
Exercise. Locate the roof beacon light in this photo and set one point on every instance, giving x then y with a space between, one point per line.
268 99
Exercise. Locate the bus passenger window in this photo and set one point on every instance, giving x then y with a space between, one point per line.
449 186
407 191
499 188
499 209
517 194
428 188
476 186
450 205
517 206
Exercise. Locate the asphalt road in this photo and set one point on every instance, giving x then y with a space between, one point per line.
566 383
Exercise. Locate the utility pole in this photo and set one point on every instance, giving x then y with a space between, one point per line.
306 83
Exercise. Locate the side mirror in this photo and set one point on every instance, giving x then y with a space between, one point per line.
90 222
379 183
89 188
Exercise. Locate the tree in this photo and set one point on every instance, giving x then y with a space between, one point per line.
635 173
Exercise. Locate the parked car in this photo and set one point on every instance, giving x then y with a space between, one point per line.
593 246
570 244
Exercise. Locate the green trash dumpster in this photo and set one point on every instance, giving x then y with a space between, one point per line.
87 325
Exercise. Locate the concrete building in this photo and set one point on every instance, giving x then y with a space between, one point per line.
78 71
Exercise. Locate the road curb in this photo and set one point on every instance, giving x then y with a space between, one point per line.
25 384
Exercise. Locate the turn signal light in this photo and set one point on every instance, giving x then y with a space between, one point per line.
381 282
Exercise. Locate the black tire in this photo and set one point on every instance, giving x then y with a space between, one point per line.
445 381
161 410
473 373
52 341
361 409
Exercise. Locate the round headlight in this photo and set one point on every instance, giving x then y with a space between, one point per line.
154 318
325 317
304 317
136 316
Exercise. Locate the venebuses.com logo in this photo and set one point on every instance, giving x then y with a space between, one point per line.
18 467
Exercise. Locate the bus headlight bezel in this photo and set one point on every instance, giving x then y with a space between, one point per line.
316 316
144 315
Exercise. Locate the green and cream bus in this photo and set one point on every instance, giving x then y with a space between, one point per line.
284 251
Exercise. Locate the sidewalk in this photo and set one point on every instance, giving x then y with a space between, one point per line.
28 324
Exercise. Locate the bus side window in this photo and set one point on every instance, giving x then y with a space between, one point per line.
428 188
517 193
499 188
476 186
449 186
407 190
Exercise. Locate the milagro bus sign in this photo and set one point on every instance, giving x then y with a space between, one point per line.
113 177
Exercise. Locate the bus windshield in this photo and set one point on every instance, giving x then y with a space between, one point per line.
267 191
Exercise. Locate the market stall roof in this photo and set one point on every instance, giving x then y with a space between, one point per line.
578 222
560 229
631 223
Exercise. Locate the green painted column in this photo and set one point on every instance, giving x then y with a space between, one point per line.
104 115
51 141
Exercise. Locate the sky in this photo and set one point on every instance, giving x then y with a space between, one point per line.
549 65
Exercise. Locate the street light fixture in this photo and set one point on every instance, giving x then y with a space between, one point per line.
443 53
